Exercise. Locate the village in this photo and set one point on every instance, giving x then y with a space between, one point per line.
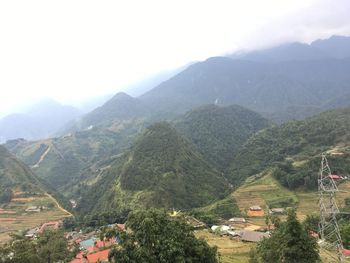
94 246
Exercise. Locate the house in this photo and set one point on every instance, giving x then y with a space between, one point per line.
87 243
253 236
335 177
31 233
255 208
221 229
101 256
33 209
255 211
237 220
278 210
346 253
121 227
52 224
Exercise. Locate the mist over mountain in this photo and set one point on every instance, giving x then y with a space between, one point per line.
287 82
271 89
337 47
41 120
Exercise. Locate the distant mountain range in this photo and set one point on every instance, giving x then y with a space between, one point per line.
208 130
336 47
41 120
292 81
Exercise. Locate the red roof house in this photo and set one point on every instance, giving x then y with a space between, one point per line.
101 256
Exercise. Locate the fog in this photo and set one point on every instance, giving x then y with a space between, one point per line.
74 50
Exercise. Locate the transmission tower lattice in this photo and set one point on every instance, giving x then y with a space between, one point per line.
328 226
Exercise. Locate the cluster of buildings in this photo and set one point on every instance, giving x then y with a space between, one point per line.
92 248
239 229
34 232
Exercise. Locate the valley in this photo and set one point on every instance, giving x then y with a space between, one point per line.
228 149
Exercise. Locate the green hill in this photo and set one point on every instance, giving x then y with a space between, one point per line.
17 176
161 169
219 132
66 161
120 107
294 149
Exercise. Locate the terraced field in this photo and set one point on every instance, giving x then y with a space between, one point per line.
14 218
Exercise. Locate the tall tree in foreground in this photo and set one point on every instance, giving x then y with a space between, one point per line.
290 243
157 237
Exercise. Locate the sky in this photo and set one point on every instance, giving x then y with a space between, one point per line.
72 50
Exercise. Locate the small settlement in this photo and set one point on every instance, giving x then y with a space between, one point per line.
92 248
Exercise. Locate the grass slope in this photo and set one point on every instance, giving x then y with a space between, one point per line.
67 161
295 148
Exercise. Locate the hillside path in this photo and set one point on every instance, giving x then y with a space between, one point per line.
58 205
42 157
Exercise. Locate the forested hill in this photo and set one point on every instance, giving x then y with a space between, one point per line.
161 169
294 149
17 176
119 108
274 89
14 173
218 132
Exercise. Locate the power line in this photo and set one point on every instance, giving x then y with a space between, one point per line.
330 237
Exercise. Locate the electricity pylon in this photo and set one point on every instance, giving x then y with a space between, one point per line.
328 226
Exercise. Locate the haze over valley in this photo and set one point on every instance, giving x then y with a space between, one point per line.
165 140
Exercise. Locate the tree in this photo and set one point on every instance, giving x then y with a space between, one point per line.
157 237
345 234
311 223
290 243
6 195
19 251
52 247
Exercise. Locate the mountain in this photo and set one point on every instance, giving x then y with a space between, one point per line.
218 132
272 89
336 47
284 52
41 120
15 174
66 161
119 108
161 169
294 150
147 84
291 81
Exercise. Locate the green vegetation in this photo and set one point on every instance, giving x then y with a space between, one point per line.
16 175
157 237
119 108
213 213
289 243
51 246
71 161
294 149
161 169
219 132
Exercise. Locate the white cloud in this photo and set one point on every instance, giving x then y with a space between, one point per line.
72 49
